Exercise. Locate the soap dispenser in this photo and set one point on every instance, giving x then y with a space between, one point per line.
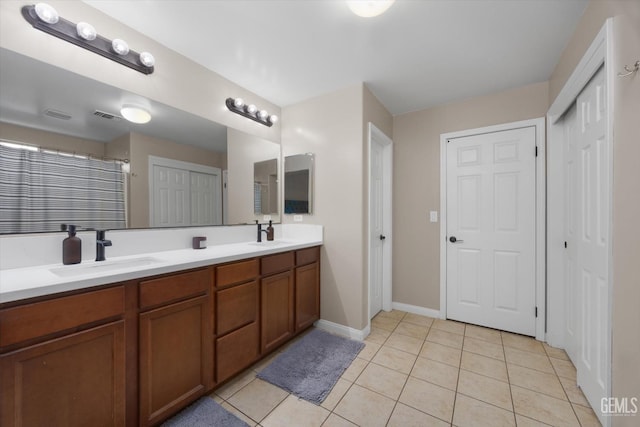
270 231
71 247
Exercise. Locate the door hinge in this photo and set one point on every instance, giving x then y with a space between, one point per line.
536 151
536 312
565 245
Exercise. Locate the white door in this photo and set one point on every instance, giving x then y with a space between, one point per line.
592 241
377 231
491 224
570 253
171 206
205 209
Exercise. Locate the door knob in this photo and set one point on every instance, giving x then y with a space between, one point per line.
382 237
453 239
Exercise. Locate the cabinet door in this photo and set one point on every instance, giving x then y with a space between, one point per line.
307 295
277 310
176 357
236 351
77 380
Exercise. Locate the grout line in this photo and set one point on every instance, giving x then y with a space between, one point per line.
506 367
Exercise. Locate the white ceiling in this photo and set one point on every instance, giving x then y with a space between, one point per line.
420 53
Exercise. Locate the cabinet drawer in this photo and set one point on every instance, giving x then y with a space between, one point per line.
307 256
173 288
237 272
236 351
38 319
236 306
276 263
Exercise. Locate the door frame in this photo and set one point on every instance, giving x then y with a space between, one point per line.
375 134
540 233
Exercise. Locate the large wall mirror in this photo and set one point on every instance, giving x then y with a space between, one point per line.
66 156
298 184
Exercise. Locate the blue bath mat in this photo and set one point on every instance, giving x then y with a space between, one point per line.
205 412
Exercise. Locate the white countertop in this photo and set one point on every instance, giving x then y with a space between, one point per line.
21 283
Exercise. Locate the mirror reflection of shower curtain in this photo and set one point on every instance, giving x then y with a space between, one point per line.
39 190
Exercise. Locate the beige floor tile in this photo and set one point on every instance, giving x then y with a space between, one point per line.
378 336
574 393
445 338
230 388
260 365
354 370
522 343
235 411
393 314
406 416
370 349
382 380
257 399
364 407
296 412
470 412
556 353
536 381
485 389
586 416
484 365
397 360
522 421
482 333
449 326
417 319
539 362
484 348
436 372
337 392
564 368
441 353
543 408
216 398
429 398
412 330
337 421
384 323
405 343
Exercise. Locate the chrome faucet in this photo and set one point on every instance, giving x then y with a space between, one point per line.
101 243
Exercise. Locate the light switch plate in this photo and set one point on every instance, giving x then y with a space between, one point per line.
433 216
266 218
297 218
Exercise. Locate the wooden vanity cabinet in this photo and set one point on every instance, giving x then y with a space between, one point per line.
175 348
307 287
62 361
277 296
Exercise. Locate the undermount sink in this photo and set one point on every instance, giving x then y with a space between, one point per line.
270 243
102 266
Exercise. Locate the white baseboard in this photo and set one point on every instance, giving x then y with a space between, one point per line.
345 331
423 311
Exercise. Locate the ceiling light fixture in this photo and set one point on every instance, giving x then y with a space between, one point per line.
369 8
250 111
135 114
45 18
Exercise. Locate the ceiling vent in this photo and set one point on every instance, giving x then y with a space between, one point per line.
106 115
56 114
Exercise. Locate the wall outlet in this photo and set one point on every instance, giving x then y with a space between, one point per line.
297 218
433 216
266 218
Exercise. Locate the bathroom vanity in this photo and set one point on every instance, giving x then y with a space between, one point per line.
136 351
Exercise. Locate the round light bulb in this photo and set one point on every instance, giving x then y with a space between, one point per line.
147 59
120 46
251 109
238 102
46 13
135 114
369 8
86 31
262 114
273 119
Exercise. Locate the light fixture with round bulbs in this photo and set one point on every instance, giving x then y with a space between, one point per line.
273 119
262 114
147 59
135 114
120 47
47 13
86 31
250 111
238 102
369 8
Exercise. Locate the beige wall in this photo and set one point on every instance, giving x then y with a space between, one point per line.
416 181
176 81
52 140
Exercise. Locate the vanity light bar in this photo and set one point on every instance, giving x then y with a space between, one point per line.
250 111
45 18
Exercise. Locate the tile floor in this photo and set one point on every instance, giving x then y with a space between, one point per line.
419 371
